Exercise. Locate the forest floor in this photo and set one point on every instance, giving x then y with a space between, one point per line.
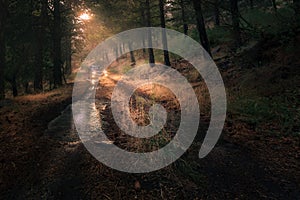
38 161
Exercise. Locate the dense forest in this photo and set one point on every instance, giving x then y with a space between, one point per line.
254 44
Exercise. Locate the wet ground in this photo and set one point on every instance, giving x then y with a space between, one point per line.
68 171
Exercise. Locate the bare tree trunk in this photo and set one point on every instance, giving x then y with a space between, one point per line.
120 50
132 58
235 22
164 34
38 74
143 22
68 41
3 14
183 16
274 5
217 13
68 55
13 82
201 25
117 53
57 74
148 19
296 4
251 4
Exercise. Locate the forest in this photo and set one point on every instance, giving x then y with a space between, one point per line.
57 96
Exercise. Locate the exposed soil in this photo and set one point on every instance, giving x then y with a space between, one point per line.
49 162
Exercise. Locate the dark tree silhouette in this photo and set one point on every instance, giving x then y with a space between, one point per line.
40 38
296 4
235 22
132 57
3 15
164 35
217 12
183 16
148 21
201 25
274 5
57 68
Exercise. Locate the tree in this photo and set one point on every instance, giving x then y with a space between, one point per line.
296 5
183 16
69 33
67 39
29 54
235 23
217 12
3 15
148 21
201 25
40 39
274 5
164 34
57 73
132 58
21 43
251 4
143 23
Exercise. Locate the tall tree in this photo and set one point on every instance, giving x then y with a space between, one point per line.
40 39
251 4
201 25
68 53
217 12
3 16
69 24
57 68
235 22
132 57
143 23
148 21
296 5
164 34
183 16
274 5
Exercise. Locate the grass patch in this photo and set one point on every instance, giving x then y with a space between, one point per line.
261 112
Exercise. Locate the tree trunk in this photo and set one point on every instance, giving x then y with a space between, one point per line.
274 5
148 21
183 16
14 85
68 40
235 22
251 4
38 74
120 50
217 13
143 22
117 53
3 15
296 4
132 58
164 34
57 74
69 56
201 25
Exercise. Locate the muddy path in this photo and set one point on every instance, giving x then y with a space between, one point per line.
68 171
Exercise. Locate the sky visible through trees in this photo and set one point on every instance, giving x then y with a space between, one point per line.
41 40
